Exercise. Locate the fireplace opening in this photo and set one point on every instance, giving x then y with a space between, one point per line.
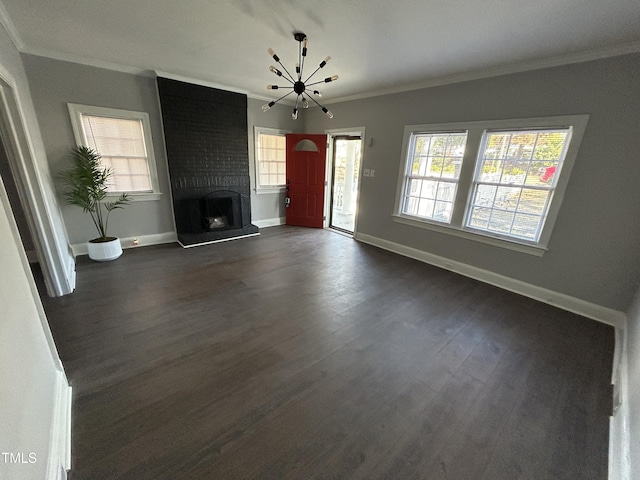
221 210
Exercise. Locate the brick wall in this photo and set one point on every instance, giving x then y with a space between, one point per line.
206 139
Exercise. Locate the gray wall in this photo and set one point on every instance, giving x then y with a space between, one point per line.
55 83
593 251
268 206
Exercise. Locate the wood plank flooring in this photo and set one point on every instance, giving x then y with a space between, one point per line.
302 354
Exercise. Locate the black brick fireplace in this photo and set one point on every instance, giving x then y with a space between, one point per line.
206 138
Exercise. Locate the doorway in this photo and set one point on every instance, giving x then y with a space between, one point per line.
16 203
305 187
35 202
345 177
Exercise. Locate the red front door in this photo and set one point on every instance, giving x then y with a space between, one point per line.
306 160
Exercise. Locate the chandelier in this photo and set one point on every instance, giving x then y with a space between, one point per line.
297 85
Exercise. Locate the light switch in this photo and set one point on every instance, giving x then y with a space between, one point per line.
372 172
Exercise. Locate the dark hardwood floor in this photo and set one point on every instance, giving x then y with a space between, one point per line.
302 354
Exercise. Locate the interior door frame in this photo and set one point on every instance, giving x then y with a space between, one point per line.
44 218
331 134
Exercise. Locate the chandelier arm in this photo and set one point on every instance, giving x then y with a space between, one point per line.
316 83
324 109
288 80
314 72
299 60
285 69
314 100
285 95
304 55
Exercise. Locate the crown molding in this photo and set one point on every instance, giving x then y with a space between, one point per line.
220 86
8 25
90 62
204 83
538 64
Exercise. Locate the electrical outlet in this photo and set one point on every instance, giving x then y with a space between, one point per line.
367 172
135 241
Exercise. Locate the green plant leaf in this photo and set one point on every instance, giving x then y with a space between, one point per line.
87 183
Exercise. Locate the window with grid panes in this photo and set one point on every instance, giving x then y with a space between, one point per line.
515 179
270 153
432 179
499 182
122 138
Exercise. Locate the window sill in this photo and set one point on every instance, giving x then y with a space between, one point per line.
265 191
537 250
135 197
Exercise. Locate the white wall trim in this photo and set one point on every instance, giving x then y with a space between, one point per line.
619 435
28 179
270 222
82 60
537 64
9 26
220 86
556 61
129 242
560 300
60 444
211 242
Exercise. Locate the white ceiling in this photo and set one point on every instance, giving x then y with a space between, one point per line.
376 46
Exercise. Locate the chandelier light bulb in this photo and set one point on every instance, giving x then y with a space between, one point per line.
273 54
317 92
272 87
275 70
267 106
305 103
327 112
324 62
294 114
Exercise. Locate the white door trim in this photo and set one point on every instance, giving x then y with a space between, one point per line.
57 262
331 134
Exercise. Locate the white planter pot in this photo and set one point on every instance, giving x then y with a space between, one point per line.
104 251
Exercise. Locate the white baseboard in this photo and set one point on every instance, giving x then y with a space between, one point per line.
210 242
560 300
270 222
59 461
128 242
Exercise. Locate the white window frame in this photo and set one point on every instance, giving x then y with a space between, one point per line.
409 175
475 131
257 131
76 111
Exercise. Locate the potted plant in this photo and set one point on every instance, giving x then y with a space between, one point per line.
87 182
